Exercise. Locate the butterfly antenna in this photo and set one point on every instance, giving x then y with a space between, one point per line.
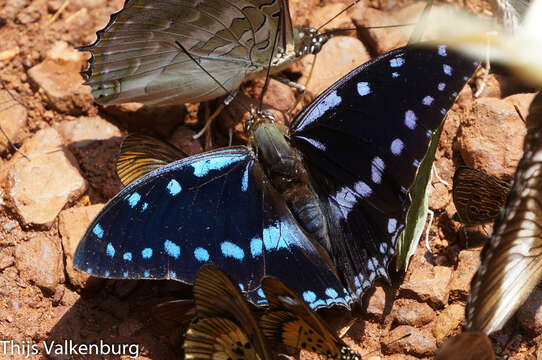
332 31
339 14
309 77
230 94
264 89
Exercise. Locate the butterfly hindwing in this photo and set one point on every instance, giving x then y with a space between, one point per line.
142 154
363 152
216 207
218 339
173 314
216 297
478 197
136 57
291 321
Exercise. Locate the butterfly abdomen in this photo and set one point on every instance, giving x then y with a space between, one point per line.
289 178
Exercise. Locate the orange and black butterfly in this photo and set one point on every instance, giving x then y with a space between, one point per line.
290 321
478 197
224 327
467 346
511 263
141 154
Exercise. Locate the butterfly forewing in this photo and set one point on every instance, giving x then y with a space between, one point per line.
363 140
511 262
216 296
216 207
136 57
142 154
478 197
225 328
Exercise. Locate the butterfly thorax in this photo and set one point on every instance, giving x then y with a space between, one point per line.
348 354
309 41
287 174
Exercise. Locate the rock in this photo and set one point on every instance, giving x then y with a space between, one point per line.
399 357
377 303
9 54
491 139
41 186
381 41
76 5
40 262
6 257
466 267
11 8
85 130
12 120
522 101
98 165
129 327
492 88
72 224
447 321
530 313
419 343
414 313
439 197
278 99
330 66
322 14
59 78
183 139
136 117
32 13
426 282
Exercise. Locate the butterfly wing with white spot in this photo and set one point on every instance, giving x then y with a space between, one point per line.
136 57
217 207
363 140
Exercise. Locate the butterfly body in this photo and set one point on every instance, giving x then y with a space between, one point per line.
137 57
289 177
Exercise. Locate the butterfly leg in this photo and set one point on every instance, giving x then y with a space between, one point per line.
208 121
431 214
435 172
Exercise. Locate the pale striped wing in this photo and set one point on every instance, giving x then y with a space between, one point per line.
137 57
512 260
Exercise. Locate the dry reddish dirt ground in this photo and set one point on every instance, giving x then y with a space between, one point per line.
71 144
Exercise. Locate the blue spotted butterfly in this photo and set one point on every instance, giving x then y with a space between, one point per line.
319 208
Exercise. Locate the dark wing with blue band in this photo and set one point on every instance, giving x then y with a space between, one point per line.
363 140
218 208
